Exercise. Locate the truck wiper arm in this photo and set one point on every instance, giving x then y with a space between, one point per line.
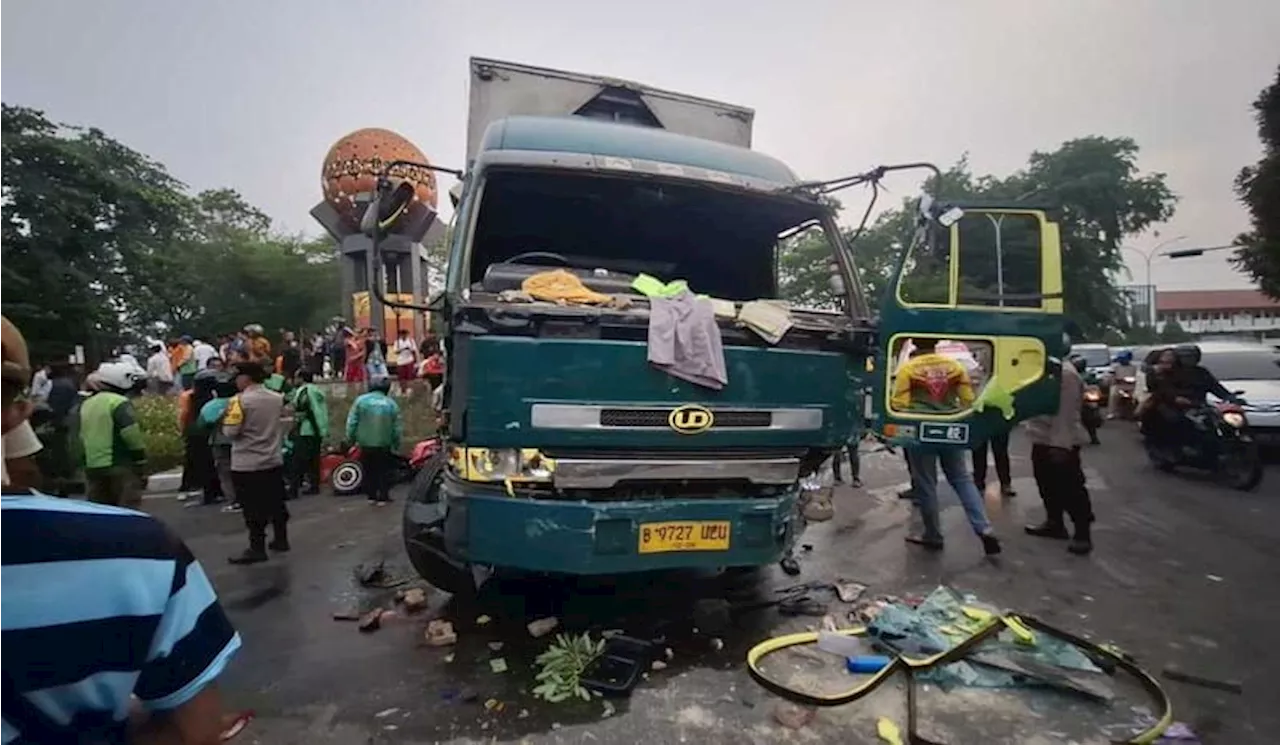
872 176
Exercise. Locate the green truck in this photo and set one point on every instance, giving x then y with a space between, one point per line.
566 449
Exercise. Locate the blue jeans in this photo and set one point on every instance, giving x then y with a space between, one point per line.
924 464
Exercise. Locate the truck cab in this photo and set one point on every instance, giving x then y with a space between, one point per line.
567 451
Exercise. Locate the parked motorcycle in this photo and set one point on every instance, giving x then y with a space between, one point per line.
1223 446
1091 412
344 471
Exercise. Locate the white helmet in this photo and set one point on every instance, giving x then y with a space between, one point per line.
119 375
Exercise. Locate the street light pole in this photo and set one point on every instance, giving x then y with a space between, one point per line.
1147 258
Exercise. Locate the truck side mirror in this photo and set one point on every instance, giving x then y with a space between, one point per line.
387 207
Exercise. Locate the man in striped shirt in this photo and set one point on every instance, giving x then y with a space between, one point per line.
111 631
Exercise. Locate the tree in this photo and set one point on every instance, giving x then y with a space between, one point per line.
1173 333
1100 196
102 245
79 211
1258 186
229 269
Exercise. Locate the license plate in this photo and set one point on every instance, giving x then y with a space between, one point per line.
706 535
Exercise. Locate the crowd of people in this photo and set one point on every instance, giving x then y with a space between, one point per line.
343 353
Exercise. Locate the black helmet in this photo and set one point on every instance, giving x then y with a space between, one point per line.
1079 363
1187 354
381 383
225 387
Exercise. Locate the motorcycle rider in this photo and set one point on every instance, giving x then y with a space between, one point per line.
1192 384
1122 369
1081 366
1179 386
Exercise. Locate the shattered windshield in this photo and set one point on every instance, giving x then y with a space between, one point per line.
722 242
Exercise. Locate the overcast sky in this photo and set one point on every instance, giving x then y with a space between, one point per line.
250 93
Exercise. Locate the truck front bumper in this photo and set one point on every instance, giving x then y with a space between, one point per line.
483 525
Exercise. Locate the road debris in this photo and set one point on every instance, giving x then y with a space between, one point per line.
1174 673
658 665
494 705
449 658
888 731
498 665
561 667
793 716
371 621
346 615
483 620
609 710
717 645
496 646
371 575
524 714
1015 657
542 626
849 592
414 599
386 712
440 633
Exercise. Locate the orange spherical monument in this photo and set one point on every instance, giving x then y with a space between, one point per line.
352 166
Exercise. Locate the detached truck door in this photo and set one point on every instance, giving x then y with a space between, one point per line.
971 332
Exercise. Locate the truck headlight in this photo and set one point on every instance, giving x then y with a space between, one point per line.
1234 419
516 465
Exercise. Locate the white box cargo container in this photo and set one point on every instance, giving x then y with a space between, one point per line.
502 89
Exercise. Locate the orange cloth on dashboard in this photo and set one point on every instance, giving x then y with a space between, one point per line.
560 286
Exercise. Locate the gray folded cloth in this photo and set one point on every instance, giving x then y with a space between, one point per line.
684 340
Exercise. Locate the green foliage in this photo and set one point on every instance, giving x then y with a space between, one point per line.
101 245
562 665
1101 196
1258 186
158 419
1173 333
416 412
80 211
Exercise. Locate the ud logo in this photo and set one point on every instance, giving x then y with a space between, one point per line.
690 420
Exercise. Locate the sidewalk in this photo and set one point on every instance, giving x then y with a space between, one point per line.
163 484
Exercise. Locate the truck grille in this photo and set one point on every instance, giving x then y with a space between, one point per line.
657 418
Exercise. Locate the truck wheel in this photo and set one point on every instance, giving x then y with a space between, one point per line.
347 478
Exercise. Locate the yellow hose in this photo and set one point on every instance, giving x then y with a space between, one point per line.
910 666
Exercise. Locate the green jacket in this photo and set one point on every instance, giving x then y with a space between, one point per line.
374 421
109 432
311 411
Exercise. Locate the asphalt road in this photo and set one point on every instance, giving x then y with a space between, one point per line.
1184 573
